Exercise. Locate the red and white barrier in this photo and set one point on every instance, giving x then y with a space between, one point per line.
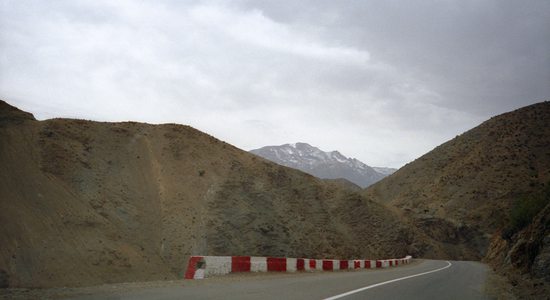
200 267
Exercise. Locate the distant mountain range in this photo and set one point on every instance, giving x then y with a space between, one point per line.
326 165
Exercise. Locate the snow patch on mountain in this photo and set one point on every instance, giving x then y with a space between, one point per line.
326 165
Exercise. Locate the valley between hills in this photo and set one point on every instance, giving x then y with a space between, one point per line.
87 203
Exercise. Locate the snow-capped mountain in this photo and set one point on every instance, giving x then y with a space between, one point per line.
328 165
384 170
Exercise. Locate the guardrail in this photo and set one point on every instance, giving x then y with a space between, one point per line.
200 267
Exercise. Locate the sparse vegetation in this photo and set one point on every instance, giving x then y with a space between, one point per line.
128 208
78 189
525 209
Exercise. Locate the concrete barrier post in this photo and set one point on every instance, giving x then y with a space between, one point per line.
291 265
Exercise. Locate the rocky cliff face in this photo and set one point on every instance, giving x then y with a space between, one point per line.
327 165
88 203
524 257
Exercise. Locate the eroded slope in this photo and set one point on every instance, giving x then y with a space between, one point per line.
87 203
463 191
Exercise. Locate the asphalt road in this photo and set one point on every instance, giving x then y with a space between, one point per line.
426 279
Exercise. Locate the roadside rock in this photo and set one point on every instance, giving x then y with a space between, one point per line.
541 264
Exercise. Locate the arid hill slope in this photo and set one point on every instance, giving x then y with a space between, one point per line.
86 203
524 257
463 191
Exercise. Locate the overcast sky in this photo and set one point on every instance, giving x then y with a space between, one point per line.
381 81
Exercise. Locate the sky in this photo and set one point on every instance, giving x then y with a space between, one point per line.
381 81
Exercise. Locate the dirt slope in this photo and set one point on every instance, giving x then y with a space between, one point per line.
521 251
87 203
463 191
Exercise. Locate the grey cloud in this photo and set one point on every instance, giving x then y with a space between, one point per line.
383 81
480 55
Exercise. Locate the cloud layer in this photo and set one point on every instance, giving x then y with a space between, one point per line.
380 81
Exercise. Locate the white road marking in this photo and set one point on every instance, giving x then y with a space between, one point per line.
386 282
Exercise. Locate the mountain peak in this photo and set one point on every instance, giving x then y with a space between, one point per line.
299 145
325 165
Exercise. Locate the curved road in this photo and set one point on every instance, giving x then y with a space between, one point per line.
424 279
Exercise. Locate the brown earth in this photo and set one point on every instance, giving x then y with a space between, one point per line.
463 190
466 192
86 203
524 258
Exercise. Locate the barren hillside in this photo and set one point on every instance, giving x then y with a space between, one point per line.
88 203
463 190
485 195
